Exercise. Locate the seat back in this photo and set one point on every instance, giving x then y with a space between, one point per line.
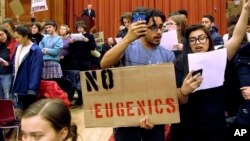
7 111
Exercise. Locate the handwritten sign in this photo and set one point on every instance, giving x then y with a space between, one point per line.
38 5
99 38
122 96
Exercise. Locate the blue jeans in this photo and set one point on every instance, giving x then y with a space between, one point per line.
5 82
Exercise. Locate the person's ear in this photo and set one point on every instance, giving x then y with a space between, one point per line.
63 134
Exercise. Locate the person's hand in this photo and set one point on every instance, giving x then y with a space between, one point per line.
245 92
136 30
72 40
61 57
32 15
190 83
4 63
145 123
178 46
44 50
85 39
246 5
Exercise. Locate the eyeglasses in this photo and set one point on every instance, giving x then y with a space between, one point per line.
155 28
170 24
201 38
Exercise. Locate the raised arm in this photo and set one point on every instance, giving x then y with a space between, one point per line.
240 30
111 57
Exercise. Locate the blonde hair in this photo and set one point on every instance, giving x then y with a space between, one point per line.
67 29
181 22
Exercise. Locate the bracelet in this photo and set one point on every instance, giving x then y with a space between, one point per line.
183 94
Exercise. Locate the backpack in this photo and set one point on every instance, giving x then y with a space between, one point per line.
50 89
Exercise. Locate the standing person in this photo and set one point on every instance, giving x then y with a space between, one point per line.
5 68
81 50
48 120
28 64
36 33
208 22
107 46
51 46
141 46
89 12
65 59
81 53
9 25
68 82
242 61
126 21
178 23
202 112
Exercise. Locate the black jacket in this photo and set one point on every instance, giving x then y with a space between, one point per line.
86 13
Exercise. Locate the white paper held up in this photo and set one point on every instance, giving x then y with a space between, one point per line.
169 39
213 64
77 36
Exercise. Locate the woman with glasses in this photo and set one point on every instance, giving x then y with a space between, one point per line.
178 23
202 112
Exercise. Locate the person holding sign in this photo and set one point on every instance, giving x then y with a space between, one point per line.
202 112
141 46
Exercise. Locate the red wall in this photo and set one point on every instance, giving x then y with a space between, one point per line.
108 11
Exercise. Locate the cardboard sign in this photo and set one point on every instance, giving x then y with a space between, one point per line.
122 96
38 5
16 7
234 7
99 38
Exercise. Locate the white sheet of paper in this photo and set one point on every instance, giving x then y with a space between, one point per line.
169 39
118 39
77 36
213 64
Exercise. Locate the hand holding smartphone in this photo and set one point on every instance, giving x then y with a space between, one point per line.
197 71
140 16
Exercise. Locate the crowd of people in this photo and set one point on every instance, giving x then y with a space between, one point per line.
35 52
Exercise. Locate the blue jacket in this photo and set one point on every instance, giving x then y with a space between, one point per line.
53 44
217 39
29 72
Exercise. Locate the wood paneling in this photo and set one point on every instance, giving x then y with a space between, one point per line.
108 11
56 11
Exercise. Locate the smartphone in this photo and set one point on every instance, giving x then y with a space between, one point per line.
197 71
138 17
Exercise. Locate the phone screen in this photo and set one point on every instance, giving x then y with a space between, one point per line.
138 17
197 71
